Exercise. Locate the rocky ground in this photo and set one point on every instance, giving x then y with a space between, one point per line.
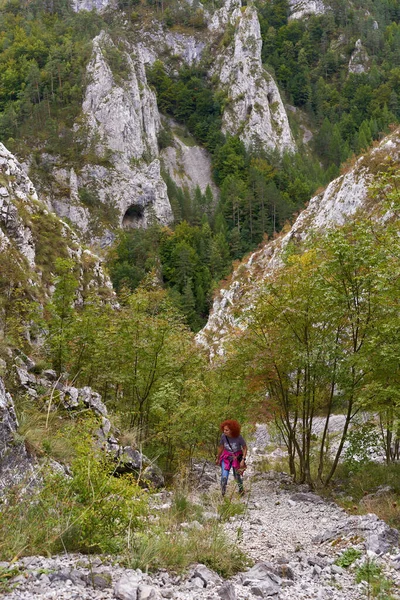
294 537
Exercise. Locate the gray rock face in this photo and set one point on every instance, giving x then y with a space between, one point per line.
8 420
18 186
91 4
120 112
342 198
302 8
16 231
188 166
15 464
359 60
158 42
255 109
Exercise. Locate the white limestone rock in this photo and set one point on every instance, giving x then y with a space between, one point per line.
157 42
303 8
337 204
18 188
189 166
225 15
123 114
15 463
359 61
254 109
16 231
99 5
123 121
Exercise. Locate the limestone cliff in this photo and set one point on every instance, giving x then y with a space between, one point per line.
32 237
359 62
120 124
302 8
119 183
338 203
91 4
254 109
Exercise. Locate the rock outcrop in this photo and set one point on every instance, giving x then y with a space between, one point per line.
92 4
35 237
359 62
17 466
120 124
336 204
303 8
254 109
15 462
188 165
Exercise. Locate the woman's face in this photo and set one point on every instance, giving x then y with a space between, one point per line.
227 431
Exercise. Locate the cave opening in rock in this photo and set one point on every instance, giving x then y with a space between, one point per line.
270 98
134 216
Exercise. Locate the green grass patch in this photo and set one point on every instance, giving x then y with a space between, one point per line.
348 557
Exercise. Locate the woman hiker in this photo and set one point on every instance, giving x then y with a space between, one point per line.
232 451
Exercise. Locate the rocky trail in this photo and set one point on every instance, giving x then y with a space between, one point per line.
293 537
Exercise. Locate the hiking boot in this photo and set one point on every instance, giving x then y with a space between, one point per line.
241 492
224 482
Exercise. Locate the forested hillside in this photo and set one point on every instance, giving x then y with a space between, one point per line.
45 49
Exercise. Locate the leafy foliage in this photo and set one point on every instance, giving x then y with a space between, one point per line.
348 557
92 511
313 343
43 54
310 59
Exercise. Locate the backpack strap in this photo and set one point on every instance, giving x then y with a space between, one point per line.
227 439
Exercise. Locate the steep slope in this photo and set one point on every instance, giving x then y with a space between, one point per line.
339 202
32 239
254 110
120 121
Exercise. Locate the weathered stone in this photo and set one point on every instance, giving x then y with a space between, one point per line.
99 581
303 8
126 587
129 460
227 591
306 497
205 574
147 592
153 476
256 112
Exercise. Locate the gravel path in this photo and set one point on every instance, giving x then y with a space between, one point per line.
293 536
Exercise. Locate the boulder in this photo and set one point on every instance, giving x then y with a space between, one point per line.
15 463
126 588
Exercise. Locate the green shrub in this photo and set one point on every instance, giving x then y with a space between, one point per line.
348 557
90 511
378 586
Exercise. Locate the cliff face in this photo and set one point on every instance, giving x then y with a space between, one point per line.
254 110
303 8
91 4
33 237
338 203
120 120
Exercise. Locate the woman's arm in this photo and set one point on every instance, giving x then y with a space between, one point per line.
244 452
219 452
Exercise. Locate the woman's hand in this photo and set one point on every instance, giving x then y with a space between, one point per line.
217 460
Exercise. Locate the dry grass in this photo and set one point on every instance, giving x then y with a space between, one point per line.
385 506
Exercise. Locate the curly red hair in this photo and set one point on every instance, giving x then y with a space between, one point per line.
233 425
